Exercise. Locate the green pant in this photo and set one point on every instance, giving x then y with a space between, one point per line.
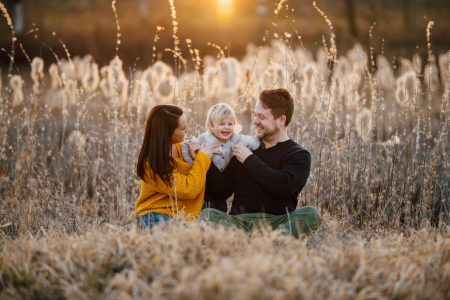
303 220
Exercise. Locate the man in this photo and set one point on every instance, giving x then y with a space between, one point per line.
267 181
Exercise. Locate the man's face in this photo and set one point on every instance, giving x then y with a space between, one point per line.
266 125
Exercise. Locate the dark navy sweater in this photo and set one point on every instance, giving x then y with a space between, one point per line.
269 180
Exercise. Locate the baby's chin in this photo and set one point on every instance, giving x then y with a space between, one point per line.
223 139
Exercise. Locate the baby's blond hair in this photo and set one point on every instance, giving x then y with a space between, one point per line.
219 112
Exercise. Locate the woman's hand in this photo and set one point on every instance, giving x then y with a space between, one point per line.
209 150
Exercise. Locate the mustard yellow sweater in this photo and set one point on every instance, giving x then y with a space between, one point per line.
186 193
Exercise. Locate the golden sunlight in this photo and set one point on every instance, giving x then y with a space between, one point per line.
225 7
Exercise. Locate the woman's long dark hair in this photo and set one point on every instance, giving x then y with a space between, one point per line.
161 123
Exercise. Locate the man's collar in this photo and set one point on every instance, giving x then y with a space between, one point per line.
264 146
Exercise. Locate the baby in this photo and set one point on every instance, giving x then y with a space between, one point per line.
223 129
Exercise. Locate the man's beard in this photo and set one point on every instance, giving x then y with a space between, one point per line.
264 133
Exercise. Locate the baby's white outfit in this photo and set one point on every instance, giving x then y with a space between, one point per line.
221 161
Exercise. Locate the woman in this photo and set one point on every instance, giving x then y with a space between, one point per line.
169 185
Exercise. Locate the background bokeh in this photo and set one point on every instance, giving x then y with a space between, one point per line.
89 26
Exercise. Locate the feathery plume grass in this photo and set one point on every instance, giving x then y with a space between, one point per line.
37 73
8 19
16 84
119 34
176 39
332 51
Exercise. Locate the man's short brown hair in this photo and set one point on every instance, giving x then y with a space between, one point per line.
279 101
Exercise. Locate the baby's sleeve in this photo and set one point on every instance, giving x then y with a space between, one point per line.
185 148
250 141
185 153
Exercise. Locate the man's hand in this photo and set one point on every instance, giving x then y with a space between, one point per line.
241 152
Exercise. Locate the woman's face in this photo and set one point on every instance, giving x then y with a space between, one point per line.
179 132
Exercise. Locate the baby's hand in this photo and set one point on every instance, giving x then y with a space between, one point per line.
193 148
210 150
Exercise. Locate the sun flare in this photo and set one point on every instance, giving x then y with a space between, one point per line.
225 7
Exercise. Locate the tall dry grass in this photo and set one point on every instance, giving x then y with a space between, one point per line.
379 139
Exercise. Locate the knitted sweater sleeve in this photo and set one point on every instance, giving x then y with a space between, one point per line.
187 186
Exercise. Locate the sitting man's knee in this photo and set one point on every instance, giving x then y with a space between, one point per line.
310 218
315 215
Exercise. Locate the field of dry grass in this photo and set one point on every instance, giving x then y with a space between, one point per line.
378 134
197 261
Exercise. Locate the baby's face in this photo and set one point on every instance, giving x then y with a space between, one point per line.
224 129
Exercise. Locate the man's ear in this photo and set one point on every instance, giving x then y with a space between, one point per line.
282 120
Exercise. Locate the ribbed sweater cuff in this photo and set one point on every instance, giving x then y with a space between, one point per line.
203 156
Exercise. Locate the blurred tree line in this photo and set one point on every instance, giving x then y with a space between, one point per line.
88 26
